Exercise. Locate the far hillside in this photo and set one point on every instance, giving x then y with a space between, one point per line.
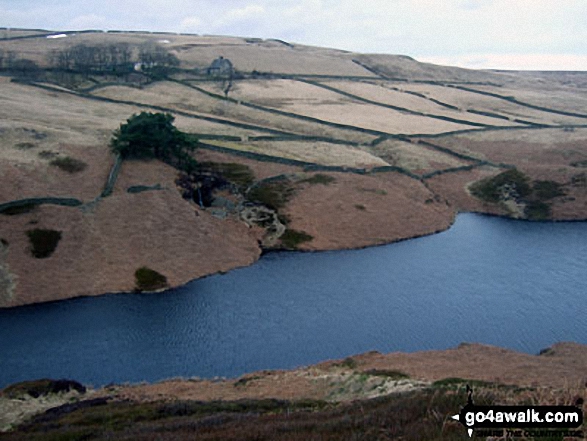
296 147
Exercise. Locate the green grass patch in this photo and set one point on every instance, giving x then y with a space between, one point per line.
290 239
273 195
43 387
69 164
43 242
319 178
149 280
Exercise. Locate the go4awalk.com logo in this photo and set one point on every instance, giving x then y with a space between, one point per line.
534 420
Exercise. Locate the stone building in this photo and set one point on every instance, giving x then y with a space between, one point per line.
220 67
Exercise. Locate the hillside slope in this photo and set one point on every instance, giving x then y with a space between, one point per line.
317 148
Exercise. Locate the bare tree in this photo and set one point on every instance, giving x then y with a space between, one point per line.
9 59
151 54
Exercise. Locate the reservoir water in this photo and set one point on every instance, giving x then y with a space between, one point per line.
515 284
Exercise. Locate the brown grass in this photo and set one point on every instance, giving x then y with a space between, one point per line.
309 100
392 202
102 247
415 157
386 93
315 152
183 98
470 100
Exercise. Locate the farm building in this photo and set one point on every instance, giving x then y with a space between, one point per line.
220 67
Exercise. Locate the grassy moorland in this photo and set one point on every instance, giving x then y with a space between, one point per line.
399 140
298 148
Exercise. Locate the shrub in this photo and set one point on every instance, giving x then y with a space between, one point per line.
545 190
149 280
579 180
69 164
579 164
238 174
245 380
388 373
37 388
537 210
292 238
43 242
153 135
272 195
491 189
320 178
378 191
349 363
141 188
25 145
19 209
457 382
47 154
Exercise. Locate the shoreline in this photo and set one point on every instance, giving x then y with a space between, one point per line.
265 252
358 378
472 221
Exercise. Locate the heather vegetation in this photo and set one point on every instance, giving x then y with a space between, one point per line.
69 164
320 178
515 185
411 416
43 242
238 174
510 181
272 194
149 280
545 190
292 238
39 388
19 209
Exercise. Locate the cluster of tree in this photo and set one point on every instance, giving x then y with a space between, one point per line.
112 58
153 135
20 67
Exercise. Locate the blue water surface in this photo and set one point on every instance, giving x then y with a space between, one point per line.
515 284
